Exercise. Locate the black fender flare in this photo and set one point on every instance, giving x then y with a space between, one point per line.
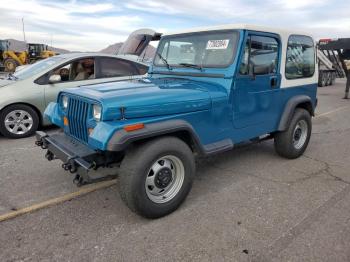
290 108
121 139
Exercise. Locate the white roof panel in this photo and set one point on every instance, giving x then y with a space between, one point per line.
280 31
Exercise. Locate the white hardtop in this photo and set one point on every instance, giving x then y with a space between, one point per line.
282 33
266 29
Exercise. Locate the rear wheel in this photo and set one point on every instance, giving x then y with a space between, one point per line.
329 79
333 76
10 65
18 121
156 177
323 79
292 142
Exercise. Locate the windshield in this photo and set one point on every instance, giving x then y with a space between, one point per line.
3 45
38 67
205 49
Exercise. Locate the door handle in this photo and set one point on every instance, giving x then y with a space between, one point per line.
273 82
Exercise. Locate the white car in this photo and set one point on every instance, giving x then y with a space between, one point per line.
25 94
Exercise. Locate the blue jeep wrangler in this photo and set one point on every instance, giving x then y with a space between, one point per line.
207 90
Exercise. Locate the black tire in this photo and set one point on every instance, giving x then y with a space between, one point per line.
284 141
135 168
333 76
10 64
329 79
12 108
322 79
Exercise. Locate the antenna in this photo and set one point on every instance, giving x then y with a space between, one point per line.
24 34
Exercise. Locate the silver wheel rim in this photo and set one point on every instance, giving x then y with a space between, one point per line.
18 122
165 179
300 134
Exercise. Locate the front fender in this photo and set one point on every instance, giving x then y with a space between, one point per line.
52 114
121 138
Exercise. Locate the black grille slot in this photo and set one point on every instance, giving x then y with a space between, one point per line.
77 116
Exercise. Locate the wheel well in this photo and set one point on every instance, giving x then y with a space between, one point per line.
31 106
307 106
183 135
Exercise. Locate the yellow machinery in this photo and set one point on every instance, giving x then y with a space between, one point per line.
10 59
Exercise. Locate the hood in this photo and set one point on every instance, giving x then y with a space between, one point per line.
149 97
5 82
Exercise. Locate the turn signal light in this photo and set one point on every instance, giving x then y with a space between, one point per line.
65 121
90 131
134 127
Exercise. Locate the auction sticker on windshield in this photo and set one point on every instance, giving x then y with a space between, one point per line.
217 44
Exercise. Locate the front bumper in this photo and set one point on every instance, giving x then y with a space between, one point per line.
76 157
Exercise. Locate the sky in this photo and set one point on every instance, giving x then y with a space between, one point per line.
92 25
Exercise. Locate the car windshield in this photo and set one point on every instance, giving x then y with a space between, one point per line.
38 67
203 49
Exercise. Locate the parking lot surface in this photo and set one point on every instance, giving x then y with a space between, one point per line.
248 204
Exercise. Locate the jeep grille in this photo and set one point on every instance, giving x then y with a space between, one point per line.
77 116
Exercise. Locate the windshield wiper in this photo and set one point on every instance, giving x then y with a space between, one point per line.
199 67
164 60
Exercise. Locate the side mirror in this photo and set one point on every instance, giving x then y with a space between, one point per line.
54 79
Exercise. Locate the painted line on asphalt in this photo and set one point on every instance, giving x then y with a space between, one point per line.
332 111
54 201
89 189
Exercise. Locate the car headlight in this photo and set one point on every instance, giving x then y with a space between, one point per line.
64 102
96 112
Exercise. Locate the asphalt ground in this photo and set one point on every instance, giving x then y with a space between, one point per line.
248 204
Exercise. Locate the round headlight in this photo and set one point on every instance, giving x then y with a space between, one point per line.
96 112
64 102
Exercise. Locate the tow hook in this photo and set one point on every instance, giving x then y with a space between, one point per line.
69 167
49 156
66 166
41 144
78 180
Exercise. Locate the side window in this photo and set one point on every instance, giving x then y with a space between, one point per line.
83 69
260 56
113 67
64 72
300 60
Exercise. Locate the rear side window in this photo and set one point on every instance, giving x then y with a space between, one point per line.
300 60
112 67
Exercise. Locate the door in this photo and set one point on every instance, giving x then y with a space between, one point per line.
257 82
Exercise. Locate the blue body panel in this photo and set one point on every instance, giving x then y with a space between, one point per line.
217 102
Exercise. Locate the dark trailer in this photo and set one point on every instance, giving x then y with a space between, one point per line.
342 46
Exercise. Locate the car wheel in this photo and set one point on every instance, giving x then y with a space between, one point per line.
156 177
329 79
18 121
333 76
322 79
292 142
10 65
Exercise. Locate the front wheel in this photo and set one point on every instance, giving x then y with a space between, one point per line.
156 177
18 121
10 65
292 142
